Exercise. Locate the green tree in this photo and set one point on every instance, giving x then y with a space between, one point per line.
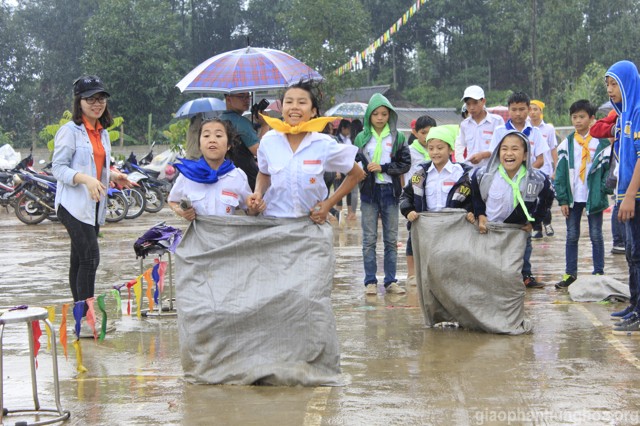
215 28
176 134
56 31
48 134
17 78
140 59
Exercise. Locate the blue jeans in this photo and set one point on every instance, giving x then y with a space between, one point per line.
526 266
573 235
632 248
382 204
617 228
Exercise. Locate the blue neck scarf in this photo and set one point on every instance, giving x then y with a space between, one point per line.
200 171
526 130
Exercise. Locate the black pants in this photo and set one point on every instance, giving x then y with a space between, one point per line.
85 255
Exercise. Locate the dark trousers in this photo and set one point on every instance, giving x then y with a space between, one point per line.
85 255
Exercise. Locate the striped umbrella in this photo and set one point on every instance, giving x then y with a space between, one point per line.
246 70
348 110
200 105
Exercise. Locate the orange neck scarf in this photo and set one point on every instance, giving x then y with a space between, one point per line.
314 125
586 154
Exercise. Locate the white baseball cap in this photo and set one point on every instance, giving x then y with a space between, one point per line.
473 92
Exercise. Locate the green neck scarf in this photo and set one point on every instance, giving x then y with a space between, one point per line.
515 187
377 153
421 149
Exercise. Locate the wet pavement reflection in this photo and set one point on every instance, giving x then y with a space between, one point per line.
570 370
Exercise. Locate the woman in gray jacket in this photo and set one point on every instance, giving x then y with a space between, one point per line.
81 165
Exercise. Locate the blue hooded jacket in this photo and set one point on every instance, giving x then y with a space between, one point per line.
626 75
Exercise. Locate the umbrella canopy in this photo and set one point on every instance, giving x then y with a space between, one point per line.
200 105
348 110
246 70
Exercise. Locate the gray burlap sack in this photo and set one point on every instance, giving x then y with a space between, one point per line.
254 302
595 288
467 277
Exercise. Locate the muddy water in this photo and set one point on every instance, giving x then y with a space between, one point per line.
570 370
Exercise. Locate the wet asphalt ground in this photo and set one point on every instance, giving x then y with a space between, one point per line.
570 370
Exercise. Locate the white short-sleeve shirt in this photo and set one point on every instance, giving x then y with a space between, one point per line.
417 158
385 158
537 146
548 133
499 204
297 178
440 183
580 189
214 199
476 137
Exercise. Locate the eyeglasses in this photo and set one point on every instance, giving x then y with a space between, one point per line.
243 97
99 99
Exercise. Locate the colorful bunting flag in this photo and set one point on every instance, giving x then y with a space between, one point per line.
63 330
91 316
51 317
37 332
149 280
355 62
103 311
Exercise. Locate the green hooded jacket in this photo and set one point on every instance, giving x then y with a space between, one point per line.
400 155
597 199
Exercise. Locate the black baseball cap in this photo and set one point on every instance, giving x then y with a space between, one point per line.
88 85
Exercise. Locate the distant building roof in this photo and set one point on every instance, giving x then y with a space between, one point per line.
407 111
441 115
363 94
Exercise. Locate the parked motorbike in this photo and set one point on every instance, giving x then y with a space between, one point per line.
159 167
37 199
151 187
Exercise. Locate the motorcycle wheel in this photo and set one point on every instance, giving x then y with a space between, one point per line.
117 207
136 201
154 200
29 211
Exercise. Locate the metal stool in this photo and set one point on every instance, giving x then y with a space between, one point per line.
27 316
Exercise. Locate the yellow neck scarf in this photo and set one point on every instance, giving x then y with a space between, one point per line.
586 154
313 125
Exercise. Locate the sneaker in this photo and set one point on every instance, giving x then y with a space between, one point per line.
548 229
625 319
530 282
631 328
394 288
618 250
371 289
537 235
566 281
411 280
623 313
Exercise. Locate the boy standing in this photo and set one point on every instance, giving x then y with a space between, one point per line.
418 148
518 104
623 88
477 129
583 166
436 184
509 190
385 157
548 133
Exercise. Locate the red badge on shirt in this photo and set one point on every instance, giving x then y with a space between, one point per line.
311 162
230 194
